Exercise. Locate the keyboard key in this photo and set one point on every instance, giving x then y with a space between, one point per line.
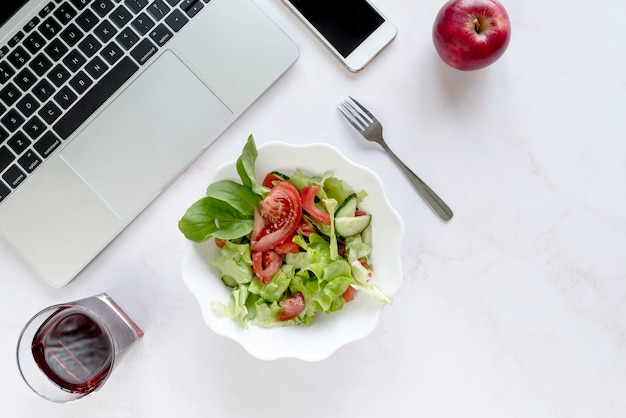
34 127
18 57
158 9
102 7
50 28
87 20
43 90
50 112
4 191
194 8
65 13
4 135
34 42
127 38
32 24
47 144
9 94
143 51
71 35
15 39
6 157
96 67
176 20
29 161
65 97
47 9
40 64
28 105
25 79
14 176
19 142
56 49
74 60
187 4
6 72
173 2
95 97
4 50
136 5
80 82
80 4
105 31
161 34
89 46
121 16
112 53
12 120
59 75
143 24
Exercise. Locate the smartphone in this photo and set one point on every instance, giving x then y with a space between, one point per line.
354 30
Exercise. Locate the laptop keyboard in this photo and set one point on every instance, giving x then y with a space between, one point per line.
65 63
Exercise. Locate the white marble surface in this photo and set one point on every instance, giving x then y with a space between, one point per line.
515 308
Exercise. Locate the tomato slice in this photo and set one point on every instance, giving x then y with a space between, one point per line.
348 295
288 247
308 202
277 219
305 227
270 180
292 307
265 264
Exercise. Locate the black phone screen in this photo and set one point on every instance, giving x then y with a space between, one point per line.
344 23
9 7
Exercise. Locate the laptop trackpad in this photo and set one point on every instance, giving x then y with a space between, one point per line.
146 136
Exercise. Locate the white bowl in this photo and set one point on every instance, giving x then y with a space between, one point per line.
329 332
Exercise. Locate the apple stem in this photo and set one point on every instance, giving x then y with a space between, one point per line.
476 22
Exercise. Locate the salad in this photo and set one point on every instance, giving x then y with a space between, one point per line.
291 245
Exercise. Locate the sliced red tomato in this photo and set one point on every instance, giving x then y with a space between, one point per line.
305 228
265 264
364 264
348 295
308 202
292 307
270 180
288 247
277 219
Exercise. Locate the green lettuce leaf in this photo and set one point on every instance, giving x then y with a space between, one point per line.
234 262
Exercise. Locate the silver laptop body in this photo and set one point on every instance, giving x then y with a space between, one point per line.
204 62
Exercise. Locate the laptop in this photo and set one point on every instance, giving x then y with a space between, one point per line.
104 102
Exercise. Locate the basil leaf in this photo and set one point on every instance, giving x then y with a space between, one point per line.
246 166
198 224
241 198
214 217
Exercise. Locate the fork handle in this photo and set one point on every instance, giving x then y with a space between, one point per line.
434 201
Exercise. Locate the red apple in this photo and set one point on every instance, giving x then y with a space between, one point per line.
471 34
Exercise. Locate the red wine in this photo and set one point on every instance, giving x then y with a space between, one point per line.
73 350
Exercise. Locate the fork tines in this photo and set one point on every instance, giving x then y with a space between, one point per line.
357 115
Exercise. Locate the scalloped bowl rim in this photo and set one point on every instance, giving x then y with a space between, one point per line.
329 332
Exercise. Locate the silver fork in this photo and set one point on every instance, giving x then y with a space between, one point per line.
372 130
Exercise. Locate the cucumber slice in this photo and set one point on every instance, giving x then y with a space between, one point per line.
347 226
280 175
229 281
347 207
